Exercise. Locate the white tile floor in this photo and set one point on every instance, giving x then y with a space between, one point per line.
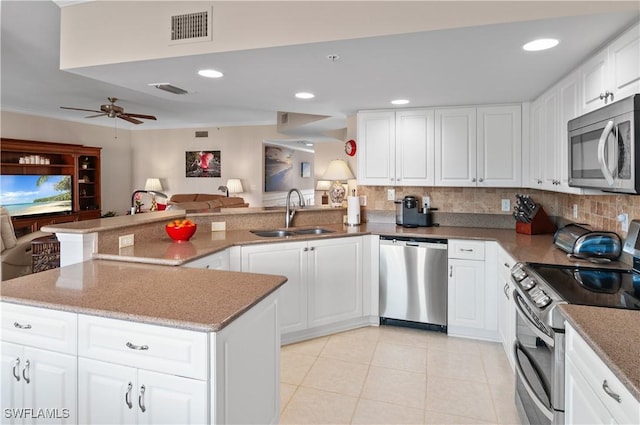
393 375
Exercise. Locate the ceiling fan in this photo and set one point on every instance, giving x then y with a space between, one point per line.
114 111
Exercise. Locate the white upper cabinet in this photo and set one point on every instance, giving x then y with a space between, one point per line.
479 146
613 73
396 148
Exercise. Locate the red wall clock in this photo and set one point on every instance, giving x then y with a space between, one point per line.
350 147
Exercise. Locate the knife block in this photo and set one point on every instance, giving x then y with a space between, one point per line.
540 223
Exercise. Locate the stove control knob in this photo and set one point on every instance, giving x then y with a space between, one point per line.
543 301
528 283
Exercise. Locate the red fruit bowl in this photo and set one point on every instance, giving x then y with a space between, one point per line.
182 233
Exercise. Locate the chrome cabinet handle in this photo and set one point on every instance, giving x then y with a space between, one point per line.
305 249
137 347
604 96
20 326
507 265
312 249
16 366
141 399
450 271
127 396
539 181
466 249
473 179
480 179
610 393
505 289
27 364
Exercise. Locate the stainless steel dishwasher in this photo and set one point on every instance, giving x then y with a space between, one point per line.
413 280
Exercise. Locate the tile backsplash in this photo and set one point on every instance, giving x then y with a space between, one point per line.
600 211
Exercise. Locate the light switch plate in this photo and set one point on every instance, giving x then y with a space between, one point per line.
363 200
391 194
506 205
125 241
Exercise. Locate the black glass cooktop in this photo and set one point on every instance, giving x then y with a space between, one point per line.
593 286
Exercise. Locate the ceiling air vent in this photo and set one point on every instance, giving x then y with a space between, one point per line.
169 88
190 26
202 134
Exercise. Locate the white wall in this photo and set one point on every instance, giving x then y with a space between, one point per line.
116 152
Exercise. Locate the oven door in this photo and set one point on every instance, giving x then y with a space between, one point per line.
602 155
538 393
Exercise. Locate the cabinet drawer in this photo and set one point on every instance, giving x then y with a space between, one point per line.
595 373
40 327
218 261
466 250
152 347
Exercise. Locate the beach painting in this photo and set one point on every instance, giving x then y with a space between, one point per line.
202 164
34 194
278 168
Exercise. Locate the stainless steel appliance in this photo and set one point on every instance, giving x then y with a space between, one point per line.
602 148
582 242
539 347
413 280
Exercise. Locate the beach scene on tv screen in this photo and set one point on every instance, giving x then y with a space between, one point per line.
29 195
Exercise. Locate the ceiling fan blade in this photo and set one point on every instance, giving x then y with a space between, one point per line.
128 118
146 117
97 115
80 109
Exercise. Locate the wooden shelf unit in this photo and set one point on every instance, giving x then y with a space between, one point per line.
63 158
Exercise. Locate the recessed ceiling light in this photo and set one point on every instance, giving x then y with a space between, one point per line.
305 95
540 44
210 73
400 102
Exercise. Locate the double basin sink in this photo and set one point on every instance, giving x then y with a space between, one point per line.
280 233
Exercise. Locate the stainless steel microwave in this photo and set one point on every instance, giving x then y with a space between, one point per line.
602 148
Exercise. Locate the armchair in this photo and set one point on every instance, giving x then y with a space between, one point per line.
15 252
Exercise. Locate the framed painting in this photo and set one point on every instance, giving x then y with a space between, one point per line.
305 169
202 164
278 168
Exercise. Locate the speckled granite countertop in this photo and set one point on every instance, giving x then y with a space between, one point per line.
614 335
200 300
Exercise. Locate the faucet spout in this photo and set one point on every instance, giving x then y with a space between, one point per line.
291 210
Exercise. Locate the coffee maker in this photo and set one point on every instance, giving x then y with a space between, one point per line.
408 213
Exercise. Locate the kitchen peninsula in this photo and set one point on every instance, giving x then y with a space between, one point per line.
115 342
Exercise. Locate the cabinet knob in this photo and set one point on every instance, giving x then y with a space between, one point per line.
312 249
473 179
127 396
481 180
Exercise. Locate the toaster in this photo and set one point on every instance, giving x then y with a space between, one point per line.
578 240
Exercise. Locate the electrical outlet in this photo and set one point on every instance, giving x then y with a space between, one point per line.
506 205
218 226
624 221
391 194
125 241
363 200
575 210
426 201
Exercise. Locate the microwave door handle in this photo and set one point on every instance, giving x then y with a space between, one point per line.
602 144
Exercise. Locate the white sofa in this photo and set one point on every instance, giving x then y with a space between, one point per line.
15 252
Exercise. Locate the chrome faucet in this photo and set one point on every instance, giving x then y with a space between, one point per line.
291 210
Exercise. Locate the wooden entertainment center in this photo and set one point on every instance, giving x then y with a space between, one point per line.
80 162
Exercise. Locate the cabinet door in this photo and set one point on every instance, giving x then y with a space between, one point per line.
582 405
499 147
624 61
168 399
335 280
218 261
52 384
415 148
466 306
107 393
455 147
568 104
12 361
376 156
549 161
594 74
290 260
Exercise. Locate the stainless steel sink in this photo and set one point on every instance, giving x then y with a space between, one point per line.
314 231
272 233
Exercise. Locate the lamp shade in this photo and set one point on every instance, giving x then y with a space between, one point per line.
153 183
323 185
338 170
234 186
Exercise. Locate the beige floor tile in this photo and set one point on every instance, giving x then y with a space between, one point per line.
336 376
395 386
356 349
404 336
455 365
437 418
440 341
504 403
404 357
294 367
371 333
286 392
311 406
461 398
378 412
312 347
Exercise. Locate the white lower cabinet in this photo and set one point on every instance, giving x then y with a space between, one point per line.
593 394
472 303
216 261
506 305
324 286
115 394
37 386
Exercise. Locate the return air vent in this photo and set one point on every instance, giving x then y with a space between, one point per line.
190 26
202 134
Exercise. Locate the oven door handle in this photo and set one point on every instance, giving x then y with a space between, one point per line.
602 144
543 336
527 386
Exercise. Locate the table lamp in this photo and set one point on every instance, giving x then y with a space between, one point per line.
234 186
153 185
337 171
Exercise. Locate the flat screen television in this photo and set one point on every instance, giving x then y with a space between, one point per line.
27 195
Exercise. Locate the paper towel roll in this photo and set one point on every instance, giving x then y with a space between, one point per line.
353 210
